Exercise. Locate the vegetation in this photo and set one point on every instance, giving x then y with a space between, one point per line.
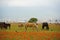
33 20
18 33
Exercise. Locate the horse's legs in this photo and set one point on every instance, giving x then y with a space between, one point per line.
43 27
5 27
1 28
26 28
9 27
47 28
36 28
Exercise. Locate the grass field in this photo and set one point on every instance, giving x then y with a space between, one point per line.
18 33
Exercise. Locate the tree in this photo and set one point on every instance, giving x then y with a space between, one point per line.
33 20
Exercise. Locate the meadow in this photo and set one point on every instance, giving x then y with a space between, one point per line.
19 33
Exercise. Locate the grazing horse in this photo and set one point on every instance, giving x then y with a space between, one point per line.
20 24
45 24
7 25
31 25
4 25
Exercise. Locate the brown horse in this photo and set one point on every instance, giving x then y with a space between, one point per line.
31 25
20 24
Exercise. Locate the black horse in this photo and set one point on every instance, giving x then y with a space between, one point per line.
45 24
4 25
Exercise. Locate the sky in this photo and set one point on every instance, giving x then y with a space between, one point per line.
18 10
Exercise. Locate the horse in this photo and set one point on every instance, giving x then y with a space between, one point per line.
4 25
7 25
31 25
45 24
20 24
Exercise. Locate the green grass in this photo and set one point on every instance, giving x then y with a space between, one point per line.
14 27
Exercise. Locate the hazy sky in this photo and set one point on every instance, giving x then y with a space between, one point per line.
25 9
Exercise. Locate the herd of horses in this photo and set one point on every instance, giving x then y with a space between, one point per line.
26 25
34 25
